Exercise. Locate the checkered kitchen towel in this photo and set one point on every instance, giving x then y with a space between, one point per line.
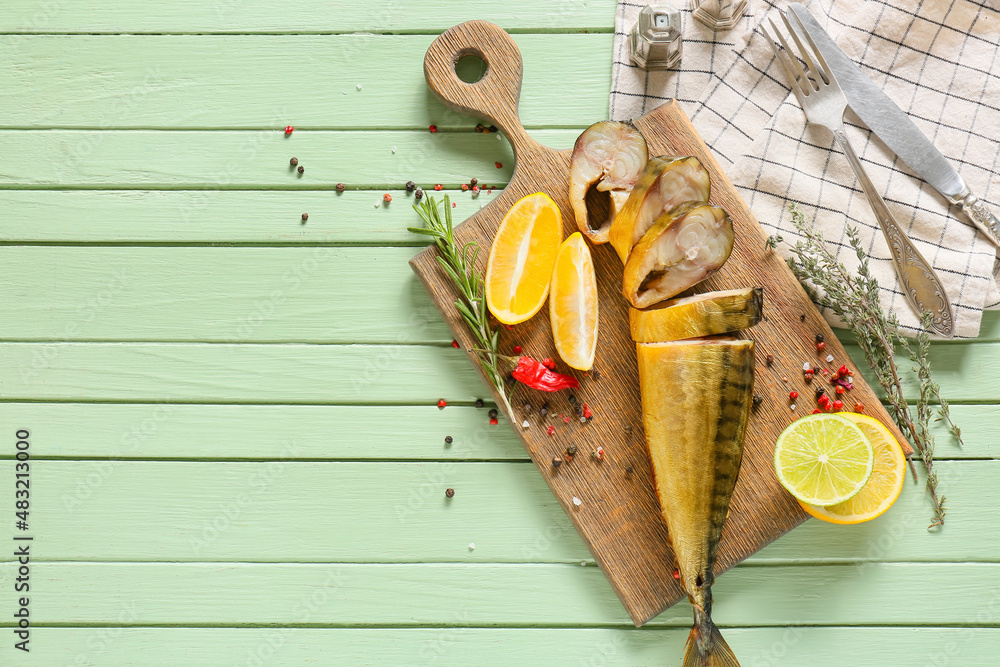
938 60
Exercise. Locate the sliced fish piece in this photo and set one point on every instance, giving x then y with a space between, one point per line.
610 154
696 398
704 314
684 247
665 183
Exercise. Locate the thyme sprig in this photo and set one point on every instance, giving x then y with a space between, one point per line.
459 262
855 300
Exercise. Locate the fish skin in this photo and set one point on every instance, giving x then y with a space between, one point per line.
696 399
705 314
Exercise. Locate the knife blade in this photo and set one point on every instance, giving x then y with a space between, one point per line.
896 130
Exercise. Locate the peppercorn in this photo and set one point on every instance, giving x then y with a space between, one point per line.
544 409
587 414
578 409
517 349
677 574
493 421
793 395
448 440
596 374
475 189
556 461
498 165
840 389
598 454
479 127
479 403
302 169
387 197
341 187
410 186
288 130
802 317
527 408
455 344
769 359
305 216
551 430
820 391
438 187
473 181
816 411
419 194
838 404
294 162
433 128
757 401
493 128
820 346
571 397
858 407
442 404
628 470
464 187
493 414
449 493
572 450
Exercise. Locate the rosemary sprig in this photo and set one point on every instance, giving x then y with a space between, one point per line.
854 299
459 262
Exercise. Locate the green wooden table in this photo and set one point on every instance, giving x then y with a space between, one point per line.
237 458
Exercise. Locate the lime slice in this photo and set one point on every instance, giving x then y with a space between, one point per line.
823 459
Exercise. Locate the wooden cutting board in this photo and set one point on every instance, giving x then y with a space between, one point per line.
618 515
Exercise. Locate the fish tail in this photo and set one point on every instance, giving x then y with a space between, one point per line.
705 646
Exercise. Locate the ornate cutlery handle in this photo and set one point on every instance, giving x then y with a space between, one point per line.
916 276
980 214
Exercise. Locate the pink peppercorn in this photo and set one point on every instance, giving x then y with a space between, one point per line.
838 404
433 128
289 129
454 344
517 349
387 197
551 430
442 404
498 165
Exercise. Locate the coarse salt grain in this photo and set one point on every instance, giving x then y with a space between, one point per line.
577 501
377 204
359 86
393 149
791 407
583 563
829 358
806 366
472 546
525 424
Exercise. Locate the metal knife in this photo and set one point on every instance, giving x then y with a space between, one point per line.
895 128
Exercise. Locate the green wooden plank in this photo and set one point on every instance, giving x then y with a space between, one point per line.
309 81
270 217
165 431
222 160
169 430
236 373
594 647
239 295
112 16
286 511
240 594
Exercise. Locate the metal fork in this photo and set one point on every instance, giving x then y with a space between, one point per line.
824 103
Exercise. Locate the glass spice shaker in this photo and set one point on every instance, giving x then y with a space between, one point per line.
718 14
655 40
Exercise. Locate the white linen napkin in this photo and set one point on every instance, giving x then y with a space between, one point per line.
937 60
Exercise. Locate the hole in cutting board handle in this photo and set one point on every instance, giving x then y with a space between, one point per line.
471 66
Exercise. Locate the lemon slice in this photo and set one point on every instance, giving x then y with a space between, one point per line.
823 459
573 304
521 258
884 486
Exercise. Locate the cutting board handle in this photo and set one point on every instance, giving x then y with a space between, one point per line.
495 96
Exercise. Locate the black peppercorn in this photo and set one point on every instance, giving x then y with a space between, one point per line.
449 493
302 169
572 398
419 194
410 186
820 392
305 216
294 162
448 439
493 414
769 359
556 461
544 409
757 401
572 450
479 402
628 470
341 187
819 338
802 317
473 182
596 374
493 128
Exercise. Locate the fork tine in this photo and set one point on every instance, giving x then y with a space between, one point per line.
784 58
800 29
804 54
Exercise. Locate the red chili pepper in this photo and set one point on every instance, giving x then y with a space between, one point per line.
534 374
